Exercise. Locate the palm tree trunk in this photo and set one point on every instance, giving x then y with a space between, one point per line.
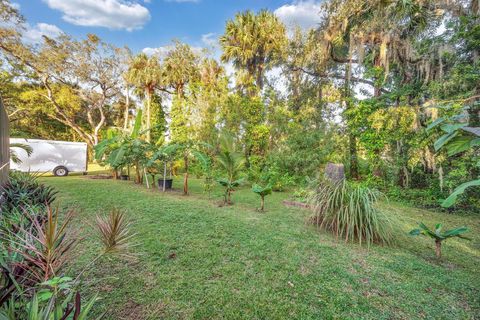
127 105
149 103
353 157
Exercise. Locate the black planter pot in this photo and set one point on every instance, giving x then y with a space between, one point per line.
168 184
124 177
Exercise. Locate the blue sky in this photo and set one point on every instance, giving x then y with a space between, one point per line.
152 24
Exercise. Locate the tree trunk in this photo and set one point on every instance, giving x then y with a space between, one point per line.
138 174
149 103
164 175
438 248
185 179
353 157
127 108
262 206
4 144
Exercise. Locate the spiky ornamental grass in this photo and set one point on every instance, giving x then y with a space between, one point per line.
350 212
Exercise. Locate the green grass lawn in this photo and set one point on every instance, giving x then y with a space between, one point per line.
201 261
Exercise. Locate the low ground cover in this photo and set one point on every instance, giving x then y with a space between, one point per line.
196 259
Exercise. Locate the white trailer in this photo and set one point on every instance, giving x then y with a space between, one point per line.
58 157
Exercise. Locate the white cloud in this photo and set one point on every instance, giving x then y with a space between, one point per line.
15 5
210 40
162 51
34 34
112 14
305 14
182 1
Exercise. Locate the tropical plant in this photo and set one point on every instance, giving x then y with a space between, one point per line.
350 212
114 232
55 308
187 151
439 236
262 192
254 43
124 149
231 162
23 190
35 253
146 74
457 138
230 186
160 159
22 146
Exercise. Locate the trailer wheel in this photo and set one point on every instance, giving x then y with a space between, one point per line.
60 171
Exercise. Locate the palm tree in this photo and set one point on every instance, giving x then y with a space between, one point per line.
232 163
13 154
254 43
146 74
180 67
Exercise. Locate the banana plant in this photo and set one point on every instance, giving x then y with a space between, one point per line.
113 150
439 236
457 137
262 192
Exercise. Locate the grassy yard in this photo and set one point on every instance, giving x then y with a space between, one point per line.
201 261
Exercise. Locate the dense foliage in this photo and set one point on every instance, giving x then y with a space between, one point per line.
36 245
361 89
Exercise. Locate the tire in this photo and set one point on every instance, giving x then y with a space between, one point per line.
60 171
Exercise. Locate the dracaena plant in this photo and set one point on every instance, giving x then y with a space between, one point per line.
38 254
439 236
262 192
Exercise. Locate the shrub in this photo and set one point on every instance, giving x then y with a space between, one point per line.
349 211
35 256
24 190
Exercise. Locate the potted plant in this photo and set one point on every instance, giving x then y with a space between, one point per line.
161 161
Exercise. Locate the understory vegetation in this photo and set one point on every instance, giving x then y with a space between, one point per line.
292 186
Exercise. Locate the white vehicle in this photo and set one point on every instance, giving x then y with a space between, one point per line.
59 157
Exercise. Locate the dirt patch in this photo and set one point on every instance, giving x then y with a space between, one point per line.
100 177
296 204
